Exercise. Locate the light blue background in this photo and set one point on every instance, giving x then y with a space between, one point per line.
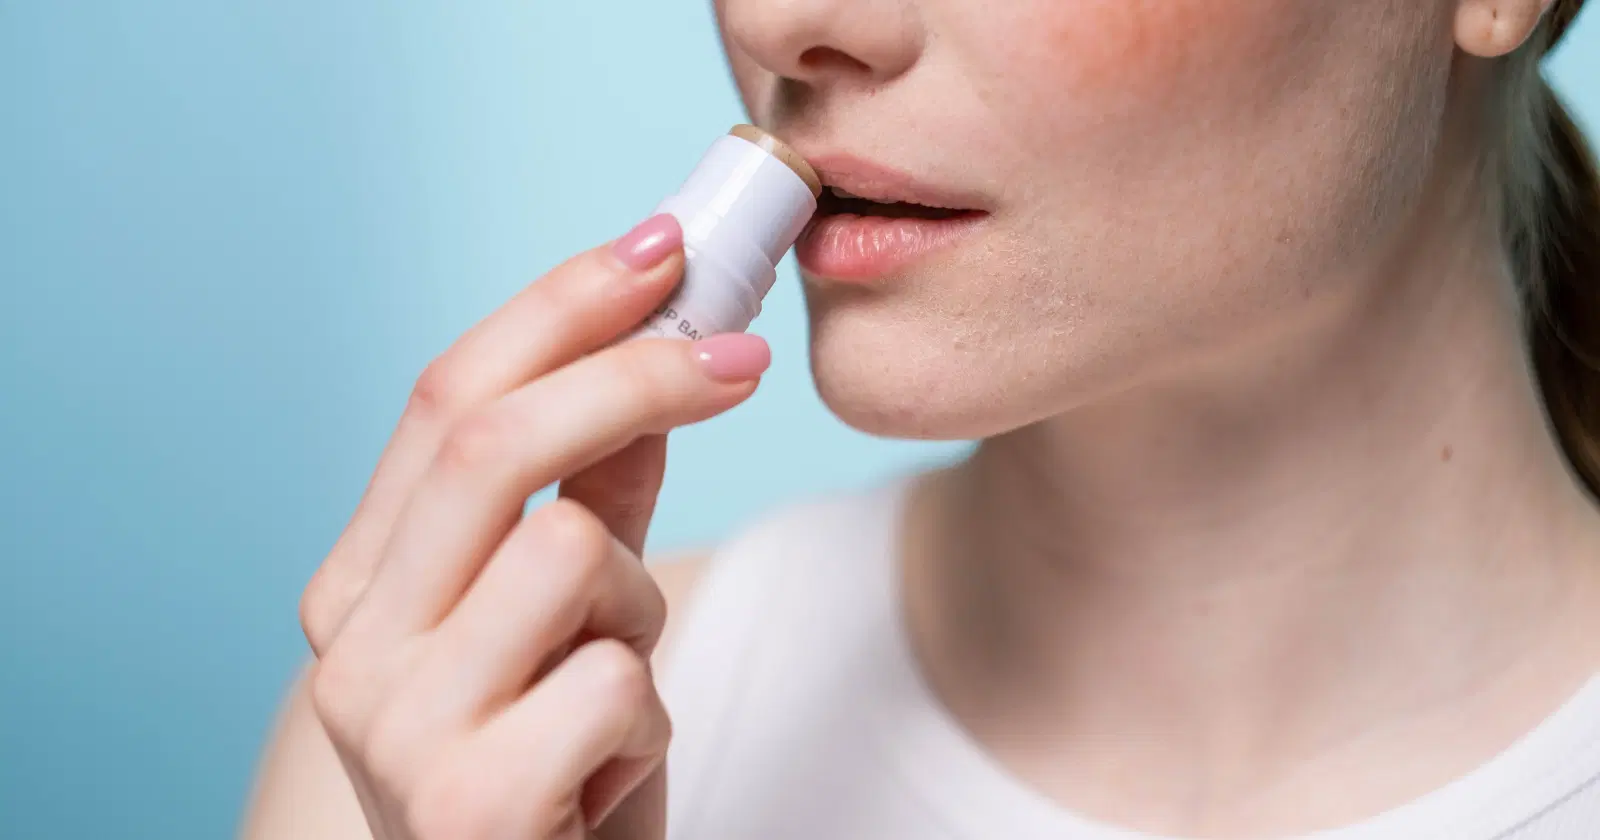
230 235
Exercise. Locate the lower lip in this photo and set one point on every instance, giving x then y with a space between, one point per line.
862 248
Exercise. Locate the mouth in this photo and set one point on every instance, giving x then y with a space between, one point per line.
836 201
872 221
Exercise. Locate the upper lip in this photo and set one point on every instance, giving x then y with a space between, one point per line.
884 185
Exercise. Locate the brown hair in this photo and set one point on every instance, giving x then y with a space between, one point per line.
1551 217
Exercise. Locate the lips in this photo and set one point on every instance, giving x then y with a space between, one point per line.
836 201
873 221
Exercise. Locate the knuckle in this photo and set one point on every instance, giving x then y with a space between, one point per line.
656 608
315 614
572 531
323 604
620 677
476 441
336 696
437 391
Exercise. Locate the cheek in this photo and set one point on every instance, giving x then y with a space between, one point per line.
1102 58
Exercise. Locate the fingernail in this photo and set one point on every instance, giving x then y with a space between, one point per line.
733 357
651 242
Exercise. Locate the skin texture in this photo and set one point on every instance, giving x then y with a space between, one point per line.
1265 505
1266 533
1095 128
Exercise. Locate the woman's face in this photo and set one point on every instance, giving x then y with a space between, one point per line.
1164 183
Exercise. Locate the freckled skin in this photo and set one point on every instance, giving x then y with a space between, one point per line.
1174 181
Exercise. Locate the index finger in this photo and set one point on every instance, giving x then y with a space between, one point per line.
575 309
621 489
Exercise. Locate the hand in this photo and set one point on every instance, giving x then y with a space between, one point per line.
485 674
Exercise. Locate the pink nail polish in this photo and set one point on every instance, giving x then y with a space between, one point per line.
733 357
742 208
652 241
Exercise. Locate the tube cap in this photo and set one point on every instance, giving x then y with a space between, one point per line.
743 207
785 155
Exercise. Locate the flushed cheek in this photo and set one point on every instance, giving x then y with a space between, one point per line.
1102 58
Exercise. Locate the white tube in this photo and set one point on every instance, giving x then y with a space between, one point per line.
742 208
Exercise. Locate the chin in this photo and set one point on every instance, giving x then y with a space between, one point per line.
904 372
874 399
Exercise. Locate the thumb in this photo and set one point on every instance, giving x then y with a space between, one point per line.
621 489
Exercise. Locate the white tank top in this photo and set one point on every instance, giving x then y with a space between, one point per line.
799 714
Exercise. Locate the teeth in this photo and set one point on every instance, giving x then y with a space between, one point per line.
844 194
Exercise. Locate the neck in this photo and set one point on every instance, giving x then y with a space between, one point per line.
1259 561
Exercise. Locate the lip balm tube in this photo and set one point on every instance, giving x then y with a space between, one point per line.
742 208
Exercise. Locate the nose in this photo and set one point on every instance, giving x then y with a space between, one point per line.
820 42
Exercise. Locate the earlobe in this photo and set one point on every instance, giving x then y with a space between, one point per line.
1493 28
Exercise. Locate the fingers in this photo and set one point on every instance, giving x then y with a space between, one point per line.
619 808
493 461
560 576
409 717
622 488
523 773
489 676
575 309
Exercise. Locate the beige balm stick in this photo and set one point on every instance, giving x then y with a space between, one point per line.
741 209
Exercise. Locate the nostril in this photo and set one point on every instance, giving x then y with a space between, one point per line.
827 58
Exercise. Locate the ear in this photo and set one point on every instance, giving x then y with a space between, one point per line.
1493 28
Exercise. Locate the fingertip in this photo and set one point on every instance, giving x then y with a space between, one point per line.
733 358
650 244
